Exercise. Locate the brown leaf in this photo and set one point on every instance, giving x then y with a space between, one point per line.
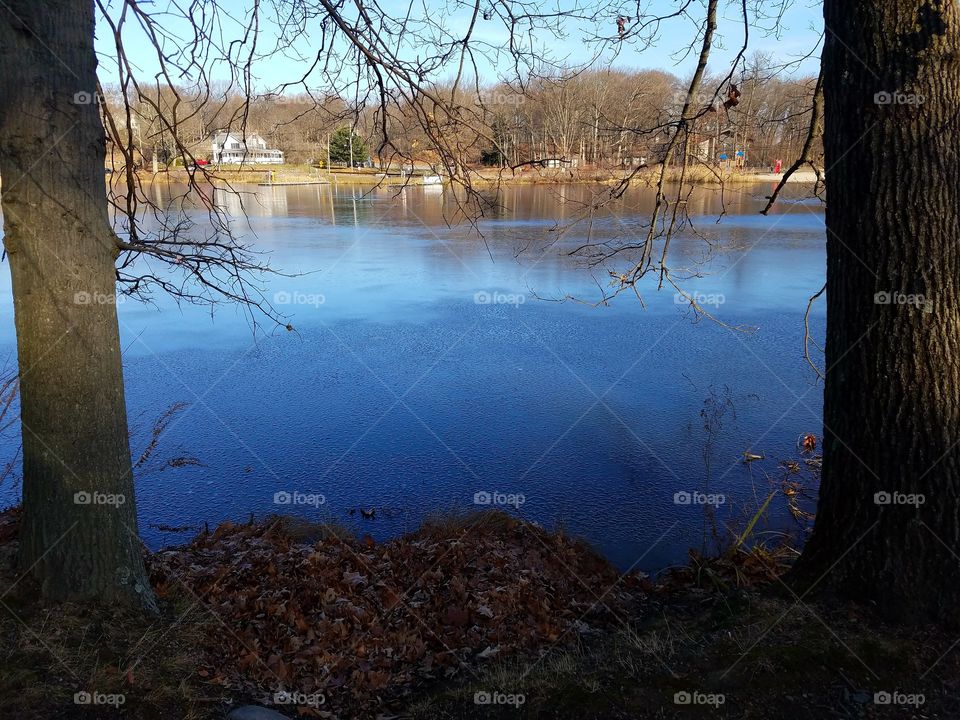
456 616
485 611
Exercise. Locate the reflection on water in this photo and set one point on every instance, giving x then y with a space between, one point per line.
428 365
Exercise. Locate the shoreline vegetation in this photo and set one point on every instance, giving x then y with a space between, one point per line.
306 174
481 615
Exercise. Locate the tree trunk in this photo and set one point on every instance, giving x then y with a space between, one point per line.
78 535
892 392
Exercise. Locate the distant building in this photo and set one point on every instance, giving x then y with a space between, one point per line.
560 163
235 147
710 146
705 149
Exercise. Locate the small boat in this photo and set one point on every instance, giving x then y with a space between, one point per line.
432 180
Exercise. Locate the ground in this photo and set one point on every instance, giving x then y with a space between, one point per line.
535 625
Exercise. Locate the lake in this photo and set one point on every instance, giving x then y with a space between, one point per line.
432 369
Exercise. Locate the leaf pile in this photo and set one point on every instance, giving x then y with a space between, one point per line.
364 623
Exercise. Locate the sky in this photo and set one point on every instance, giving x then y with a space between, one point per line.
797 36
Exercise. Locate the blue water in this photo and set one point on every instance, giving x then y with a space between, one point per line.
397 391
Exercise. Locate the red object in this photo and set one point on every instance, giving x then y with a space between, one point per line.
777 167
203 162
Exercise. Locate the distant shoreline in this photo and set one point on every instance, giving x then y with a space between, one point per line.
303 175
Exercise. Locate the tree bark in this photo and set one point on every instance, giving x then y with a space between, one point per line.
892 388
78 534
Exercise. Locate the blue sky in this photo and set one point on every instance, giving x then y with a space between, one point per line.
798 34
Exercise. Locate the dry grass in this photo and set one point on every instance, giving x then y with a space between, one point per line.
767 657
50 653
300 530
453 521
646 177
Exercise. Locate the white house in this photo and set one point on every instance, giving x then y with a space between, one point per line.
560 163
235 147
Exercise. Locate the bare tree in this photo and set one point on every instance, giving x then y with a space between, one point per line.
887 528
79 531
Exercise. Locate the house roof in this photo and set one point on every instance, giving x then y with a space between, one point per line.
221 136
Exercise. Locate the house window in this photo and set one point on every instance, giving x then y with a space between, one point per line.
234 146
